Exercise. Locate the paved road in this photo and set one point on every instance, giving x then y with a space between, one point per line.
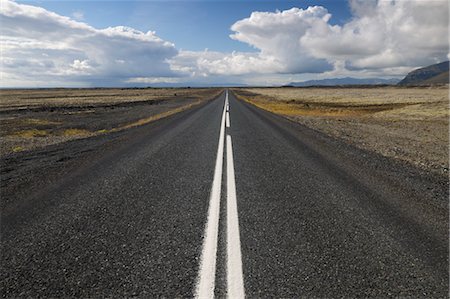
210 202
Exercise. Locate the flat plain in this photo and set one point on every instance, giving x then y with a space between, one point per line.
34 118
410 124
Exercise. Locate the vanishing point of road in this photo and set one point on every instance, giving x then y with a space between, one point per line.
227 200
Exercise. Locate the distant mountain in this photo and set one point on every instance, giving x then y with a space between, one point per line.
346 81
430 75
184 84
196 85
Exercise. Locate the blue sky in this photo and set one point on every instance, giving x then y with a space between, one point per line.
266 42
191 25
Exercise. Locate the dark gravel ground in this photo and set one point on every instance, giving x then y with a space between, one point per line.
36 126
88 117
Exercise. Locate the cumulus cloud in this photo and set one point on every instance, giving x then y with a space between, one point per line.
205 63
385 38
152 80
78 15
276 35
37 43
384 34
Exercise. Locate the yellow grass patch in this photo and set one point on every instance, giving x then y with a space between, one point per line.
37 121
318 109
16 149
76 132
31 133
349 96
102 131
387 103
150 119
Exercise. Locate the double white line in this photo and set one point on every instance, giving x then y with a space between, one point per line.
207 272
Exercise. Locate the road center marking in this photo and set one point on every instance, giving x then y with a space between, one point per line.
227 104
207 272
235 280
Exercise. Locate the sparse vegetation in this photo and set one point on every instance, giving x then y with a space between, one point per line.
30 133
36 118
17 149
66 97
42 122
76 132
404 123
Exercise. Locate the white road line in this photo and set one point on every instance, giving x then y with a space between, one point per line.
207 272
227 104
235 280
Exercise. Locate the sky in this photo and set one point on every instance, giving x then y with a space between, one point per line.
193 42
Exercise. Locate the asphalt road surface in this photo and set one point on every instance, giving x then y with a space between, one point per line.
229 200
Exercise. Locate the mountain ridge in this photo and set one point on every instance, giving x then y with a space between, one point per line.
345 81
434 74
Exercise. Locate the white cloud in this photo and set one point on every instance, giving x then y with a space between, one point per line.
78 15
207 63
384 34
277 37
152 80
383 38
81 65
37 43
